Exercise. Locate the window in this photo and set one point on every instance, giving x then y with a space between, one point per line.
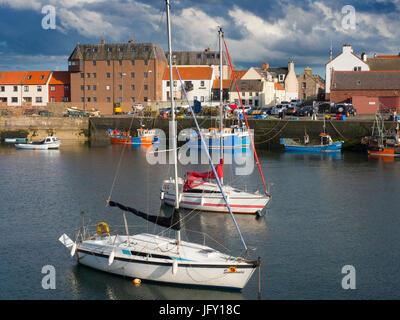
256 103
52 99
82 87
82 99
358 82
303 85
357 68
108 99
65 99
2 88
146 87
120 87
41 77
29 77
94 62
133 62
167 83
146 62
88 75
195 98
133 87
108 62
250 102
121 49
250 94
107 87
3 99
53 88
198 57
94 50
26 88
133 99
145 99
88 99
88 87
281 77
94 99
66 87
39 88
14 99
120 99
202 99
94 87
39 99
132 74
94 75
109 49
243 94
174 83
82 75
202 83
108 75
120 62
145 75
15 88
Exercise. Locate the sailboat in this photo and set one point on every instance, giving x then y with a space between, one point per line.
200 191
157 258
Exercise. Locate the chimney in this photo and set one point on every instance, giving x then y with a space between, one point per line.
103 41
347 48
308 70
131 40
364 56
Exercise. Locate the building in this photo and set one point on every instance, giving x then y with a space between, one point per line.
382 62
291 84
366 89
345 61
59 87
226 86
311 87
202 58
197 80
24 88
251 93
106 75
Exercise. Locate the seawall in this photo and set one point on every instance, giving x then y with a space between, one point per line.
68 130
266 132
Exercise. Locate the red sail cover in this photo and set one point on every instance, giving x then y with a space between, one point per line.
195 179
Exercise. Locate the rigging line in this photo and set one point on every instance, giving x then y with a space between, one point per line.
245 118
330 121
210 161
269 139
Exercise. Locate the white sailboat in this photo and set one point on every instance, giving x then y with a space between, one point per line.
157 258
200 191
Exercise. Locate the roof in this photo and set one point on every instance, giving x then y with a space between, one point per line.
190 73
342 53
247 86
118 51
278 87
205 57
239 73
36 77
12 77
384 63
226 83
60 77
366 80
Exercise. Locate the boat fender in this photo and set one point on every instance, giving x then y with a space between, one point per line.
73 250
175 267
111 257
162 195
103 228
136 281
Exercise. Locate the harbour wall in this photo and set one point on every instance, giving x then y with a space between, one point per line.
35 128
267 133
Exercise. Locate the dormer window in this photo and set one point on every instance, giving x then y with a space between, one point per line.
29 77
41 77
109 49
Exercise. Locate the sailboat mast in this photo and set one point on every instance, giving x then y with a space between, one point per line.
174 136
221 101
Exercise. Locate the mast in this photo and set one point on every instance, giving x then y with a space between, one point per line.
171 80
221 101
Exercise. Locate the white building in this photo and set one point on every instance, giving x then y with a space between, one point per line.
291 83
346 61
197 80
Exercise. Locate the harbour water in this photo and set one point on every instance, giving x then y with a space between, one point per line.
327 211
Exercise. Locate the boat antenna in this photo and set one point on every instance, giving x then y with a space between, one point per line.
210 161
174 135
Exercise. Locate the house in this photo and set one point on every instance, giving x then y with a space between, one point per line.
24 88
311 87
366 89
108 75
291 84
226 85
59 87
383 62
198 82
345 61
251 93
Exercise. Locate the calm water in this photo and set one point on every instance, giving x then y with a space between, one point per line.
327 211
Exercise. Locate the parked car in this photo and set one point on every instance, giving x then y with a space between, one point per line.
296 102
304 111
278 108
239 110
291 110
345 109
324 107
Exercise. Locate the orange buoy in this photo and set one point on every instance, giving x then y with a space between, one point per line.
136 282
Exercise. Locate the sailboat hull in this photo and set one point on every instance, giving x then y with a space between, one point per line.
200 266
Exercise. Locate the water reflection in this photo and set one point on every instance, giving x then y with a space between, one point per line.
303 155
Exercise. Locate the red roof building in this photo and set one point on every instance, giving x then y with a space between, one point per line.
59 87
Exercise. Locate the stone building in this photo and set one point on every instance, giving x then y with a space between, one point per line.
311 87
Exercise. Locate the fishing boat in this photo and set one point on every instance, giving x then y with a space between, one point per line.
382 142
144 137
157 258
200 190
50 142
326 144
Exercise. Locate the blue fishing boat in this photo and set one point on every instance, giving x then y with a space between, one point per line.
326 144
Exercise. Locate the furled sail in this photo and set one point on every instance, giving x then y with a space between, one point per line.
172 222
195 179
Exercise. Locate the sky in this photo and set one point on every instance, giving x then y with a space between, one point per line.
256 31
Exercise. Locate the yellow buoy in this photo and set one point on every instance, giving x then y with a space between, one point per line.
136 282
